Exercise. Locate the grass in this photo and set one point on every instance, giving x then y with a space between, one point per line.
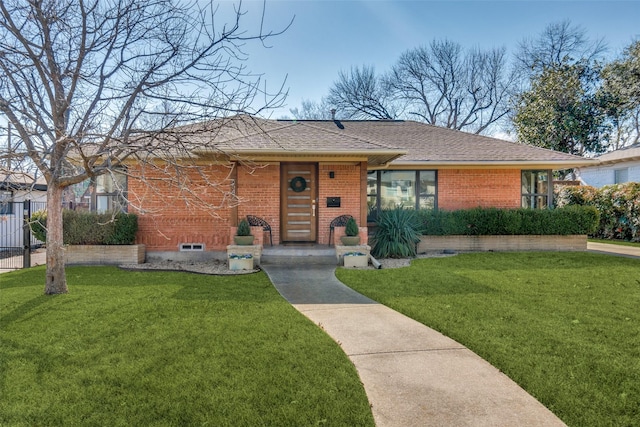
565 326
167 349
616 242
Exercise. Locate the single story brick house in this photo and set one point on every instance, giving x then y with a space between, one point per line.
299 175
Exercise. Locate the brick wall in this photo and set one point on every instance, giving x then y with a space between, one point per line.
201 210
471 188
346 185
259 191
170 214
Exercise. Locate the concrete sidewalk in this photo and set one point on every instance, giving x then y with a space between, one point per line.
613 249
413 375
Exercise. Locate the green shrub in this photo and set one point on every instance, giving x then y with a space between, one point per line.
397 233
38 224
90 228
618 206
493 221
351 228
243 228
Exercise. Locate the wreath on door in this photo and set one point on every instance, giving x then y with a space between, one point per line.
298 184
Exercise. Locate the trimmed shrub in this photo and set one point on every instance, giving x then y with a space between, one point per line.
351 228
493 221
90 228
243 228
397 233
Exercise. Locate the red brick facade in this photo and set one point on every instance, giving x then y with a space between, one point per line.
203 211
472 188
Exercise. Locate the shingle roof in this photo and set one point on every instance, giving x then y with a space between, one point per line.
404 143
629 153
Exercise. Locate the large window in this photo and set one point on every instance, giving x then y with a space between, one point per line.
537 191
105 193
400 189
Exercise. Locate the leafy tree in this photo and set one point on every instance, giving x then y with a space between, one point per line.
621 90
80 78
562 111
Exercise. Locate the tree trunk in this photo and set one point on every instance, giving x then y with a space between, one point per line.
56 278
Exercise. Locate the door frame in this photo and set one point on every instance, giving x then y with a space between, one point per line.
285 182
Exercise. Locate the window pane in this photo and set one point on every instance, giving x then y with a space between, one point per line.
372 183
6 203
427 183
541 182
372 208
110 183
428 202
398 189
620 176
534 202
535 187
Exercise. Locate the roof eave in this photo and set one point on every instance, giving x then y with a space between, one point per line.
376 157
495 164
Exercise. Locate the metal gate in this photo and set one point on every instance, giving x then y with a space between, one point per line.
16 240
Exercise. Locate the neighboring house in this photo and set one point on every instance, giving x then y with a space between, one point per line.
15 188
616 167
300 175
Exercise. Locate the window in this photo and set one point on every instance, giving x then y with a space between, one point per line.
400 189
536 191
111 192
6 203
102 194
620 176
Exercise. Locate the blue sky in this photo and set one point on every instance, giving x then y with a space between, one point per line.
328 35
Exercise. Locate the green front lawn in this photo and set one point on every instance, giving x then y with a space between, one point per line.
565 326
167 349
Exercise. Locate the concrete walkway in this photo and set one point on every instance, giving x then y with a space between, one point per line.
413 375
612 249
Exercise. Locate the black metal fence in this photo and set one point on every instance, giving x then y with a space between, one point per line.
16 240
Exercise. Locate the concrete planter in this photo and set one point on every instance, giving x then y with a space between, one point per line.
253 252
503 243
243 240
344 255
356 261
241 263
350 240
104 254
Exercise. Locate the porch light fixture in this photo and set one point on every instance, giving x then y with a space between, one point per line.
332 174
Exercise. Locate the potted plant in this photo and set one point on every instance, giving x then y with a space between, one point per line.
243 234
352 233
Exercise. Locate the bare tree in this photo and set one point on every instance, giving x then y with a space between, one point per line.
312 110
446 86
361 94
560 43
80 78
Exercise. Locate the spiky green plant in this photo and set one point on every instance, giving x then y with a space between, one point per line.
397 233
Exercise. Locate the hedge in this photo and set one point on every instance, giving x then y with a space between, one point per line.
90 228
492 221
618 205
